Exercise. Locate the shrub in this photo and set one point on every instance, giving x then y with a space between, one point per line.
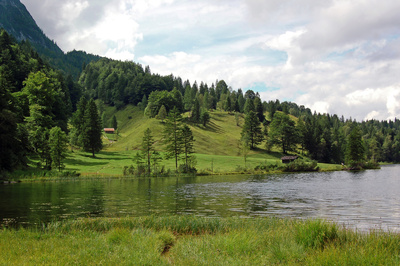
187 169
300 165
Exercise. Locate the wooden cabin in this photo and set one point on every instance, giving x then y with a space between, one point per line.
109 130
289 159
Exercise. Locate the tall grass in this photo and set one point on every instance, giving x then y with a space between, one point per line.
188 240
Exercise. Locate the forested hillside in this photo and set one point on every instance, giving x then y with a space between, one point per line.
34 99
322 137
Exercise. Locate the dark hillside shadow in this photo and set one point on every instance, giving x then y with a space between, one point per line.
212 127
272 154
72 161
112 156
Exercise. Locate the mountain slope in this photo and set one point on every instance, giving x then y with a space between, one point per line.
18 22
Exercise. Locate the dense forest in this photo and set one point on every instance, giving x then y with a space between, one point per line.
36 98
37 102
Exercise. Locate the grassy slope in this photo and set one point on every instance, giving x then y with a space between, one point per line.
219 137
216 145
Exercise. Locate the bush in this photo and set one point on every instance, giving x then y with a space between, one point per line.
187 169
300 165
70 174
265 167
362 165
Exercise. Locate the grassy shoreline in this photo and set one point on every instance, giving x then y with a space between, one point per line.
110 164
188 240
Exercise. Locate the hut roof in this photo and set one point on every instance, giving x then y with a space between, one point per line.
285 158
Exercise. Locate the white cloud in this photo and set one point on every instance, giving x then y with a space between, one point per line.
334 56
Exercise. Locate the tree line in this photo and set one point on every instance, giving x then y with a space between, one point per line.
36 104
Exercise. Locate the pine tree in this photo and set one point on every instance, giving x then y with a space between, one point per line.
228 104
10 146
355 147
249 106
147 148
252 130
58 147
172 136
259 109
92 130
143 103
187 145
114 122
205 117
78 122
187 98
283 132
195 116
162 113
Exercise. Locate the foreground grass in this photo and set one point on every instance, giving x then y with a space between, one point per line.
184 240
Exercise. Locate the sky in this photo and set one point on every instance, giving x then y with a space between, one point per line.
333 56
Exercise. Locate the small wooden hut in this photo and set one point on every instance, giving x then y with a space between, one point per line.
109 130
289 159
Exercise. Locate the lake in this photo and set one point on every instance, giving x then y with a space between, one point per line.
363 200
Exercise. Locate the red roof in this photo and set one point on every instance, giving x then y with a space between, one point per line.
109 130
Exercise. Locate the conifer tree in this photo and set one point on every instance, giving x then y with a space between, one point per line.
78 122
228 104
187 98
162 113
195 116
355 147
172 136
147 148
283 132
249 106
187 145
58 147
10 146
252 130
259 109
114 122
92 130
205 117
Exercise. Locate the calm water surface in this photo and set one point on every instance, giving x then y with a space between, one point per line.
363 200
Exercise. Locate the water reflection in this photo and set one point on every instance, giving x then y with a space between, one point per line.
365 200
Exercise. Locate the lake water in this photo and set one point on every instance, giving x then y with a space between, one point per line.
364 200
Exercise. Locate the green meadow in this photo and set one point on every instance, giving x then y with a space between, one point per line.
216 146
187 240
